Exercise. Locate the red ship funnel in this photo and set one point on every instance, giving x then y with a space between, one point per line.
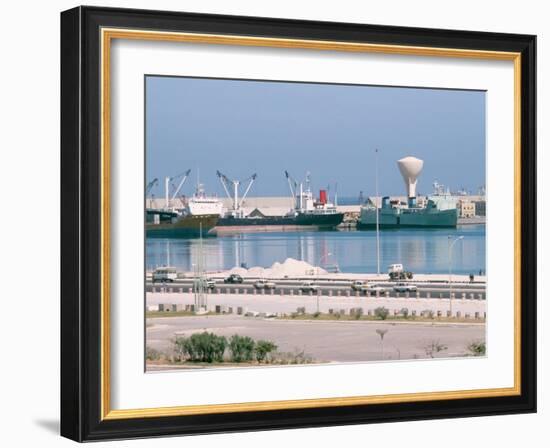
323 196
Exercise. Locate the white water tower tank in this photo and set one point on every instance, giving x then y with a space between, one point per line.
410 168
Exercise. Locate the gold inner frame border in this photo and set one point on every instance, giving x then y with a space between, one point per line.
107 35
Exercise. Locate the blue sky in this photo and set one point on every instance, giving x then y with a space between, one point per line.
245 127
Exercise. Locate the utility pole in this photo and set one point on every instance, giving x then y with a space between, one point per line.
450 259
377 217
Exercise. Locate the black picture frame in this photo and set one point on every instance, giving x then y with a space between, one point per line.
81 211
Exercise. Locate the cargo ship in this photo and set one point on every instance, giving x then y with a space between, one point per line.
198 217
309 213
437 210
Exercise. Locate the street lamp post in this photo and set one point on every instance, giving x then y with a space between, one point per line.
317 277
451 244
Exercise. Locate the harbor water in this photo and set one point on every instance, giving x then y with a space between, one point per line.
423 251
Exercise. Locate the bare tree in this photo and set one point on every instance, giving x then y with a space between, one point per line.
381 333
434 347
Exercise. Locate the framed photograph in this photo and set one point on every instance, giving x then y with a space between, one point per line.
272 223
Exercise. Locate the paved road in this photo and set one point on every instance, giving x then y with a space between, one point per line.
342 288
350 341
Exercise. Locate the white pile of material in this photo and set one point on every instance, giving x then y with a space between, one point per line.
290 268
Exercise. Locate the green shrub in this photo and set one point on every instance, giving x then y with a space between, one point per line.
477 348
316 314
201 347
357 313
152 354
381 313
428 313
241 348
404 312
263 349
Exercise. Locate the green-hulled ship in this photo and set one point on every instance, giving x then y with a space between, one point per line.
437 210
440 211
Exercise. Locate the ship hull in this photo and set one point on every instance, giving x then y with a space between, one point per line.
189 226
409 219
287 223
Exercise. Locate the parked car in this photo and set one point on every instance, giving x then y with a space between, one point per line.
359 285
374 289
264 284
405 287
309 285
233 278
165 274
210 283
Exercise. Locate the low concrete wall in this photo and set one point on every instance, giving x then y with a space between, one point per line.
286 304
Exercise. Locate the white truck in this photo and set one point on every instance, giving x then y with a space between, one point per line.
165 274
395 268
397 272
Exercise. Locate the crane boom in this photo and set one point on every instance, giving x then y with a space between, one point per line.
250 180
291 181
185 176
150 186
234 185
224 180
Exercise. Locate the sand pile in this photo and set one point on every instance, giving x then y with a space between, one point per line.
290 268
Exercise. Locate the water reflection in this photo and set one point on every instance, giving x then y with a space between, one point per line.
421 251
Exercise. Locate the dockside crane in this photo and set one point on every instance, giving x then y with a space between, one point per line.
150 186
148 189
167 181
233 184
293 185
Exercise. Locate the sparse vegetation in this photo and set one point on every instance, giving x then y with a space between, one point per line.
433 348
241 348
477 348
152 354
201 347
296 357
428 314
381 313
263 349
209 348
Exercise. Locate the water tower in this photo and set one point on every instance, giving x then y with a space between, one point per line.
410 168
